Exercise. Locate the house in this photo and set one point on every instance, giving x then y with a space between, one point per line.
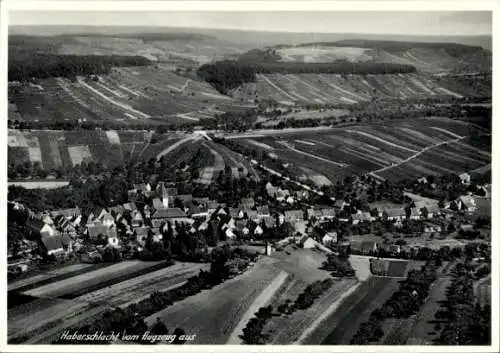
465 178
158 204
414 213
263 211
302 195
271 190
52 245
130 206
108 220
466 227
96 230
198 212
250 202
329 238
170 214
157 236
245 230
466 203
432 207
432 228
364 247
290 200
269 222
48 231
236 213
395 214
361 216
230 234
91 257
282 195
294 216
113 238
141 234
221 212
137 219
47 220
422 180
258 230
307 242
340 204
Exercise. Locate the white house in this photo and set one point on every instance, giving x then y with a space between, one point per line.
465 178
329 238
258 230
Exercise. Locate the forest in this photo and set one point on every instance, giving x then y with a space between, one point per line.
24 66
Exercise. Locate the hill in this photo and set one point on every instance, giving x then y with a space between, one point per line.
431 57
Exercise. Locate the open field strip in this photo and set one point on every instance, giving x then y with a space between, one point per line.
65 86
30 321
120 293
446 131
326 313
341 165
277 88
175 145
186 116
416 155
112 91
112 101
349 93
71 284
477 150
260 144
262 300
366 134
371 159
47 336
420 135
305 142
422 86
213 314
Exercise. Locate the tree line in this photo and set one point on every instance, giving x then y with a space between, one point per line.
229 74
24 66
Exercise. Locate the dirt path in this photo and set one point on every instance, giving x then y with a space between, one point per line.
174 146
112 101
366 134
417 154
331 309
263 299
341 165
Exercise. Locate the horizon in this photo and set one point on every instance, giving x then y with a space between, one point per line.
404 23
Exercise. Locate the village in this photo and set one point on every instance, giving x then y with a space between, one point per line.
167 221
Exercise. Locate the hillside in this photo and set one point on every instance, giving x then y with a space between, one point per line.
426 57
340 89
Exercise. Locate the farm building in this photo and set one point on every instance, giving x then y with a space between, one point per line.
170 214
137 219
307 242
364 247
263 211
48 231
465 178
269 222
329 238
141 234
395 214
466 203
293 216
360 217
414 213
52 245
340 204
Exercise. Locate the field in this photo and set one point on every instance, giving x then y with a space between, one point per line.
341 89
392 268
46 184
342 324
71 287
63 149
219 315
126 94
58 305
404 149
425 59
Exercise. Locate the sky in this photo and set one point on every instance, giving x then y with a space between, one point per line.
368 22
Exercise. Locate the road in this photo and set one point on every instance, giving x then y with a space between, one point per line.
175 145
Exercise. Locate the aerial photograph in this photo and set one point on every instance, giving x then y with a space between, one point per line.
244 178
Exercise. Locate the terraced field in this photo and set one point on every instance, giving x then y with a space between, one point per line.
340 89
126 94
55 149
405 149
